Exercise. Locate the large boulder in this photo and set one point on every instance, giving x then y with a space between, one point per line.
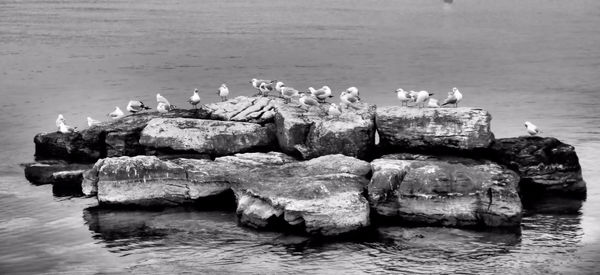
312 133
212 137
544 164
321 196
108 139
447 191
429 129
56 172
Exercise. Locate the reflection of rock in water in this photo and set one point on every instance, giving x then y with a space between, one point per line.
551 205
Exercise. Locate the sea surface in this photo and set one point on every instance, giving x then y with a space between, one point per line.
536 60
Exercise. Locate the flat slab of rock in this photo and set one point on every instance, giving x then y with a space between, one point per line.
244 109
544 164
428 129
312 133
56 172
322 196
212 137
449 192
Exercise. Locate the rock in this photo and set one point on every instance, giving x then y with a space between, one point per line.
444 191
544 164
310 134
107 139
244 109
433 129
56 172
216 138
322 196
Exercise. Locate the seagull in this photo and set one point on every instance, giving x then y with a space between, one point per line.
403 96
135 106
532 129
117 113
334 110
194 99
422 98
92 122
59 120
162 108
63 128
264 89
433 103
413 95
353 91
348 99
160 98
308 101
223 92
321 94
286 92
454 97
278 86
256 84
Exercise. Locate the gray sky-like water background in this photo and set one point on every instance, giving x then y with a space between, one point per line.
536 60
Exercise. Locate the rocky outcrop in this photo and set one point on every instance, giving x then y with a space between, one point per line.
433 129
544 164
56 172
259 110
444 191
212 137
322 196
312 133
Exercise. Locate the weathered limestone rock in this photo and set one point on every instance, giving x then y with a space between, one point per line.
55 172
312 133
108 139
244 109
428 129
544 164
322 196
213 137
444 191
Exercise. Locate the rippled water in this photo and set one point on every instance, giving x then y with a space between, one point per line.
532 60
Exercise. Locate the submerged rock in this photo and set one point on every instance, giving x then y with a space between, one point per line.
212 137
544 164
429 129
444 191
56 172
312 133
322 196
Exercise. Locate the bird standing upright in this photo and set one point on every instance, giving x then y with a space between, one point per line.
194 99
454 97
422 97
223 92
403 96
60 119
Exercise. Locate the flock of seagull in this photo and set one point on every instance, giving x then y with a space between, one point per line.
307 99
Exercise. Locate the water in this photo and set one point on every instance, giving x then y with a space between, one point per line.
532 60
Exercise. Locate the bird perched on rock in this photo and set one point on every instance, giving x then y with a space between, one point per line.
63 128
264 89
256 84
162 99
308 101
60 119
223 92
321 94
532 129
403 96
162 108
91 122
454 97
194 99
286 92
422 97
349 99
433 103
334 110
354 92
135 106
116 114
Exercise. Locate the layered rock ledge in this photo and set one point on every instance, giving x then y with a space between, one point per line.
448 191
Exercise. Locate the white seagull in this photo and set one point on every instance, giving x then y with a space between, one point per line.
160 98
286 92
91 122
223 92
162 108
256 84
194 99
264 89
422 97
135 106
116 114
532 129
349 99
63 128
334 110
308 101
321 94
59 120
354 92
403 96
433 103
454 97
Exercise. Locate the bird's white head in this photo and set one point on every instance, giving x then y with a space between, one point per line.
157 97
60 116
196 90
326 88
454 89
352 90
223 85
311 89
253 80
399 90
527 123
279 84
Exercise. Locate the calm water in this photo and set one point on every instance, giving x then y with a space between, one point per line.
535 60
